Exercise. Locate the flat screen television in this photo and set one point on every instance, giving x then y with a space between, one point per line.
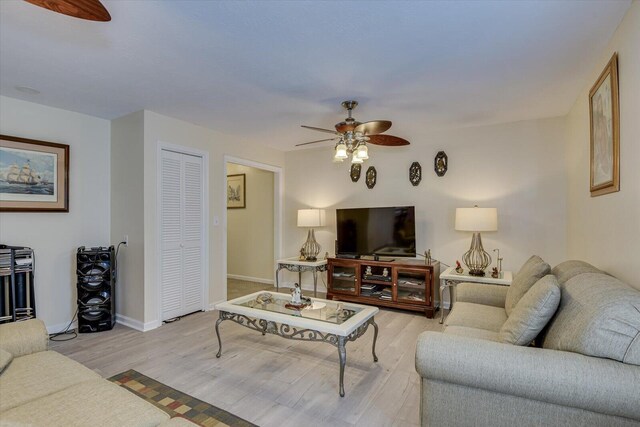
389 232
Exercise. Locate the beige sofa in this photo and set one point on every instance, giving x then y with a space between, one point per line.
44 388
583 371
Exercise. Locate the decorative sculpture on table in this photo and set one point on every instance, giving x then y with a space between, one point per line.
459 269
296 295
385 272
498 261
494 273
368 271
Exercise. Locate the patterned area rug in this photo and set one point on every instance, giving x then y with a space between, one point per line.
175 403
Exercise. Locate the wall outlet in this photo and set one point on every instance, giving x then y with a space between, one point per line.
126 240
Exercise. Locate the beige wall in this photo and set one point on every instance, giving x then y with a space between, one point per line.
605 230
518 168
55 237
250 230
127 212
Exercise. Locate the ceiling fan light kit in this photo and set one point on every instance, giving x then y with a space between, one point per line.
353 136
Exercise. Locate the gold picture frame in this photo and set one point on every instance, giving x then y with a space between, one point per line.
34 175
604 129
236 191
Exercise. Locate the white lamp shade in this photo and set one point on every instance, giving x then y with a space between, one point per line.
476 219
341 151
363 152
311 217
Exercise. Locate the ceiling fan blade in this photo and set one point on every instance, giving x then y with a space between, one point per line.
322 130
320 140
91 10
388 140
373 127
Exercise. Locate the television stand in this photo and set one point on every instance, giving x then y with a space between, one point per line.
407 284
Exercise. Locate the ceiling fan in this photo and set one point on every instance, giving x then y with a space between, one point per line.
91 10
352 136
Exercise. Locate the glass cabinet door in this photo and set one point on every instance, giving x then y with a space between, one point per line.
344 278
412 286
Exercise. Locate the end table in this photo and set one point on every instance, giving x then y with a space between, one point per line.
449 278
295 265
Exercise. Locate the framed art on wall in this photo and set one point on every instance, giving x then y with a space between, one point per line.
34 175
604 119
236 191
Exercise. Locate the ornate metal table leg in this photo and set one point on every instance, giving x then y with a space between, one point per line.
443 284
300 278
277 278
342 352
220 319
375 338
315 282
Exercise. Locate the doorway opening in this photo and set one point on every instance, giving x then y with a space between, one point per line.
253 221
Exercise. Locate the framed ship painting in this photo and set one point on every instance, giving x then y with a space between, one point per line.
34 175
236 191
604 118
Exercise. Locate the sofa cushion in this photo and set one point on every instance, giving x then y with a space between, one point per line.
95 402
532 313
39 374
21 338
568 269
463 331
532 271
5 359
598 316
476 316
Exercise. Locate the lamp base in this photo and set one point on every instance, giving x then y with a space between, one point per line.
311 248
476 258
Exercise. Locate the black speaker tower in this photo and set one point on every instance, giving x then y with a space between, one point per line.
96 269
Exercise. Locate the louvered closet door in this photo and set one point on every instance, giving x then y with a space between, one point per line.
181 234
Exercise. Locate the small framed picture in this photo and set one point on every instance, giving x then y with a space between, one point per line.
34 175
236 191
604 117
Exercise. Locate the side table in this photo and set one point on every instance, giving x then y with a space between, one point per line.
295 265
449 278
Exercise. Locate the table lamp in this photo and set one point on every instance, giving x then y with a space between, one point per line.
476 219
311 218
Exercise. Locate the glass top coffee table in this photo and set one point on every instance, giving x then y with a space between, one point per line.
332 322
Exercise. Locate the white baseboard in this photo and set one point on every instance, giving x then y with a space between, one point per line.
250 279
53 329
136 324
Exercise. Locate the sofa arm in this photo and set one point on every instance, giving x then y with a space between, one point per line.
556 377
22 338
494 295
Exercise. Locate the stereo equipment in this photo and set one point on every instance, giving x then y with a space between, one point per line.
96 270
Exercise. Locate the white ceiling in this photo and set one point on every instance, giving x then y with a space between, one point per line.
260 69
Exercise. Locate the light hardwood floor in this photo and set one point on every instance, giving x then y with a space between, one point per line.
269 380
